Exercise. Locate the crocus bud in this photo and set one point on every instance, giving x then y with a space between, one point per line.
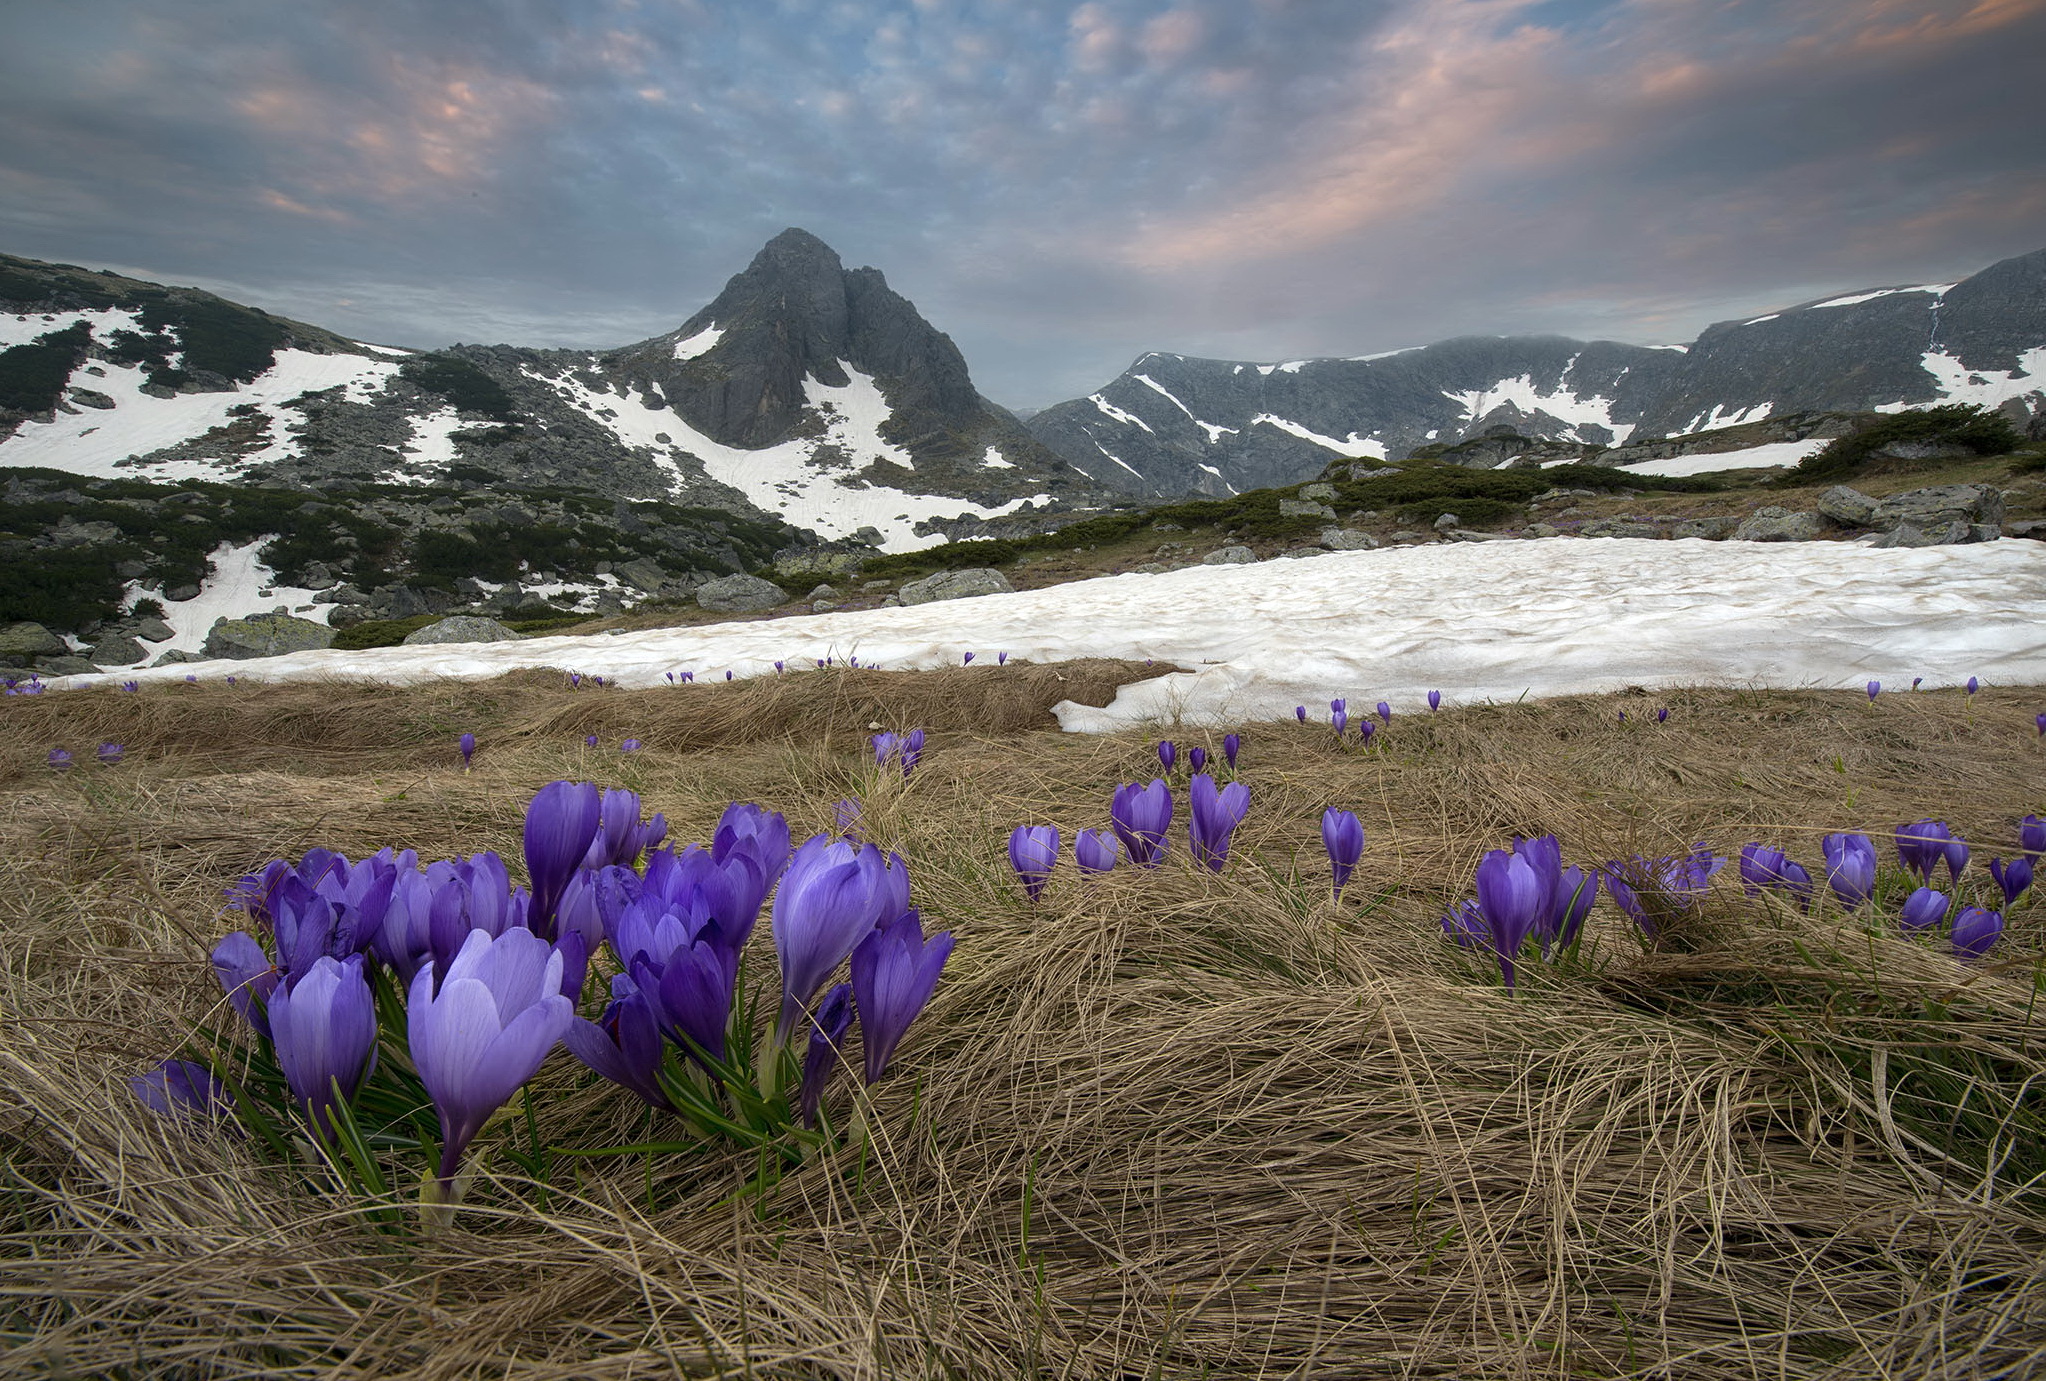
324 1028
1385 711
1923 908
894 972
1975 930
1435 700
1875 688
967 660
1343 836
1095 851
1215 814
1300 713
1140 816
1033 853
1511 898
1850 867
1196 759
2012 878
1168 754
2032 838
466 745
1973 685
1232 744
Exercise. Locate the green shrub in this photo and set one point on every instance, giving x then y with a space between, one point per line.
33 376
237 343
463 385
381 632
1471 512
1960 424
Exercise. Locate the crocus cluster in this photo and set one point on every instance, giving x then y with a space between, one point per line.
1524 894
901 751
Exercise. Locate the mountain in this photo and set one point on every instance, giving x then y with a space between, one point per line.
1177 424
804 392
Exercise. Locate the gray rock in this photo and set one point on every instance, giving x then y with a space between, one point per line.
1774 524
1347 539
174 657
1985 532
1229 556
890 602
1940 504
266 635
1362 472
1540 530
1447 521
644 574
65 666
956 585
1323 492
152 630
401 602
822 606
1709 529
463 628
1921 450
1935 535
89 398
872 585
22 643
1464 534
2034 528
1151 568
871 536
740 594
1847 507
341 594
1636 528
822 592
1299 553
1295 508
178 594
117 652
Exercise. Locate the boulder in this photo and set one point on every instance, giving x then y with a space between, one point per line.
153 630
822 606
956 585
1446 521
740 594
1708 529
1847 507
2034 528
1299 553
1541 530
178 594
1372 472
341 594
67 665
1921 450
1296 508
266 635
22 643
1229 556
1464 534
116 652
463 628
1941 504
1773 524
1951 533
1317 491
1346 539
644 575
173 657
1620 527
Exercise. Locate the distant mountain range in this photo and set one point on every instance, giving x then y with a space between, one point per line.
1177 424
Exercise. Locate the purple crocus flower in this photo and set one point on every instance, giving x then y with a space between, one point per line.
1342 834
1576 890
1385 711
1435 700
1662 716
1095 851
466 745
182 1086
561 821
894 972
827 1042
832 896
621 836
1875 688
1168 755
624 1045
1300 713
1923 908
137 685
1339 720
1512 899
324 1028
60 759
847 815
1033 853
1975 930
109 754
777 668
1760 867
1365 729
1973 685
1215 814
589 740
1850 867
1465 924
484 1033
1923 846
1197 759
967 660
1232 744
1140 816
247 977
1001 659
728 673
2011 879
2032 838
886 747
2040 720
631 745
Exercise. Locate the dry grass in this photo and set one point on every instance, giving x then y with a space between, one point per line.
1167 1125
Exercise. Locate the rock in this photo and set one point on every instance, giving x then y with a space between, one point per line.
1847 507
1229 556
1447 521
1299 553
871 536
462 628
890 602
1540 530
89 398
341 594
645 575
2034 528
1294 508
822 592
1636 528
266 635
152 630
1935 535
116 652
872 585
1713 529
65 666
173 657
1317 490
956 585
1921 450
1942 503
1151 568
22 643
1774 524
1347 539
399 602
1985 532
740 594
178 594
1464 534
349 615
1366 472
822 606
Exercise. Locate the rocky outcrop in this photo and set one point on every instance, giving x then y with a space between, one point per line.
1776 524
740 594
964 584
462 628
266 635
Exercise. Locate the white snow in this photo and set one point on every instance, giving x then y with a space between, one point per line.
22 328
1293 366
1680 349
1220 476
1561 404
1936 289
1751 458
1160 388
783 478
431 449
1117 413
384 349
234 590
993 460
1353 448
700 343
1760 319
1116 458
93 441
1985 387
1720 416
1215 432
1477 621
1388 354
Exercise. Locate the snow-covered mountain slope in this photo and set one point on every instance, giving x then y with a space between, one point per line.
1490 621
804 390
1173 424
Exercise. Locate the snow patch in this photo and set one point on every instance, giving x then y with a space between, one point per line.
1936 289
22 328
1220 476
391 350
1355 447
1984 387
1561 404
1160 388
1216 433
1751 458
239 585
699 344
1117 413
1387 354
993 460
1720 416
1760 319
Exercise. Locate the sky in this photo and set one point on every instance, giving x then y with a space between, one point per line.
1059 186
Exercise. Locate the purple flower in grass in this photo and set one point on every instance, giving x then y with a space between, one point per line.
1339 720
690 988
1385 711
247 977
1975 930
1214 815
1095 851
109 754
1923 908
1232 744
466 746
1875 688
1342 834
1365 729
894 972
1662 716
561 821
1196 760
621 836
2040 720
1168 755
1140 817
728 674
967 660
624 1045
1764 868
1623 716
324 1028
1300 713
1973 685
847 817
1465 924
631 745
137 685
2011 878
484 1033
1033 853
182 1086
827 1046
1513 900
1850 867
2032 838
778 668
831 898
1001 659
589 740
1576 890
60 759
1434 700
1923 846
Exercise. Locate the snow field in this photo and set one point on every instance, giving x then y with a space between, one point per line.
234 590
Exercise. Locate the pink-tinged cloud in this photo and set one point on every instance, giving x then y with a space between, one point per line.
1170 36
